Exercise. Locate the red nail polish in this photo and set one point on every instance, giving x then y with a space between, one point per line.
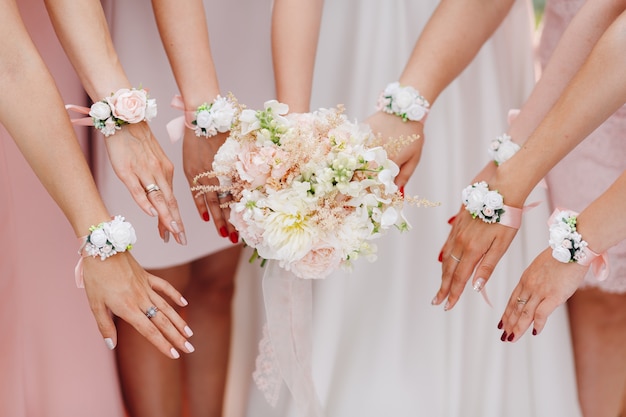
511 337
205 216
503 337
534 332
402 190
440 258
234 237
500 325
223 231
451 219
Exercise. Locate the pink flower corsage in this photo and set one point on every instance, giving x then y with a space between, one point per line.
125 106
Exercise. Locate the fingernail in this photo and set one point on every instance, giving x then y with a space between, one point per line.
166 236
188 331
511 337
434 301
447 306
500 324
174 353
205 216
154 212
223 231
534 332
189 347
175 227
184 301
402 190
234 237
183 238
440 258
503 337
109 342
451 219
478 285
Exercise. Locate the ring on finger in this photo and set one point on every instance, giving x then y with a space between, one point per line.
223 194
521 301
151 187
455 258
151 311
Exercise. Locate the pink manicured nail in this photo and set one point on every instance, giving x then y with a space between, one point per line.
479 284
166 236
175 227
174 353
183 238
188 331
109 342
434 301
154 212
189 347
184 301
447 306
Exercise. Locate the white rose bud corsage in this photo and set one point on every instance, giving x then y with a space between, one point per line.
566 243
109 238
502 149
403 101
125 106
483 203
214 118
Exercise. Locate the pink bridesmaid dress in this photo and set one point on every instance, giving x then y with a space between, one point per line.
53 362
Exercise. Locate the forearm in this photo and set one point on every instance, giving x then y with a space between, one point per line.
83 32
185 37
295 33
442 53
50 148
575 44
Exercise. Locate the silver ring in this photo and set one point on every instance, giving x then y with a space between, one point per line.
151 187
151 312
455 258
223 194
522 301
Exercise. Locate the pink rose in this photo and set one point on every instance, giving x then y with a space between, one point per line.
317 264
129 105
254 164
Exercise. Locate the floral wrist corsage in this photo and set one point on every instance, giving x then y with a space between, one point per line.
125 106
109 238
502 149
566 243
403 101
483 203
215 117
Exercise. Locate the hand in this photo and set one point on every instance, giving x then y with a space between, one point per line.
139 161
475 245
545 285
120 285
198 154
392 127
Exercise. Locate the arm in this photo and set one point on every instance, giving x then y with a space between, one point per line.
482 245
295 32
117 284
135 154
189 52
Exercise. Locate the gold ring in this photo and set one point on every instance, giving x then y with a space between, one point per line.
522 301
151 187
455 258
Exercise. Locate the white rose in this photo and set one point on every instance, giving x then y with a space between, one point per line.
121 234
151 109
100 110
249 121
493 200
416 112
98 238
558 233
402 100
561 254
506 151
223 115
204 119
474 199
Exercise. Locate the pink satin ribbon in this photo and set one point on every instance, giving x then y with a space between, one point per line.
288 341
512 216
83 121
599 262
176 127
78 270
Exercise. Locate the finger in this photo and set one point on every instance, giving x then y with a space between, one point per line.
543 311
105 325
461 275
138 193
170 324
492 256
166 205
164 287
201 205
521 317
406 170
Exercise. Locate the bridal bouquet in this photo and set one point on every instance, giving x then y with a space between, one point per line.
309 190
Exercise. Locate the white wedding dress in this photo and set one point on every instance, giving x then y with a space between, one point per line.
380 348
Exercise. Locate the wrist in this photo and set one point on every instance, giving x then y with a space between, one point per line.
108 238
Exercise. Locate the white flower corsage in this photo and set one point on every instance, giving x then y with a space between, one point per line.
215 117
109 238
403 101
483 203
502 149
125 106
566 243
